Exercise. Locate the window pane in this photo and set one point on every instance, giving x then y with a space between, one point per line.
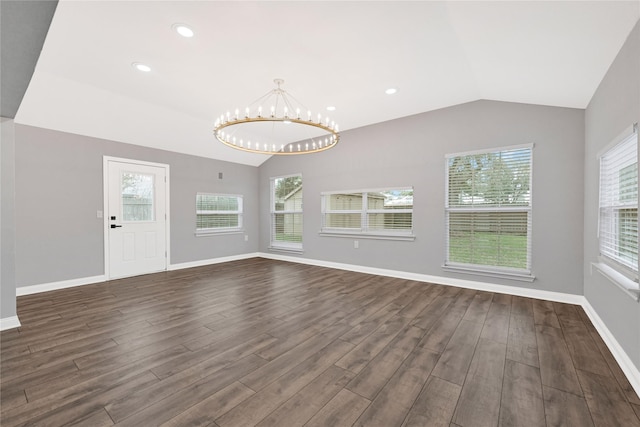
629 183
484 184
628 235
288 193
392 199
490 179
137 197
217 221
384 211
343 220
287 227
390 221
389 201
211 202
489 238
618 231
347 202
218 212
287 196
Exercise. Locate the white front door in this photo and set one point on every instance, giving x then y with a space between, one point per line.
136 218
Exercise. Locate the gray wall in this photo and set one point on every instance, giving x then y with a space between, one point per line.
23 29
7 220
59 190
614 107
411 151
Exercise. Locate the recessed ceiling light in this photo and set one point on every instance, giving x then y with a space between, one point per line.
331 108
141 67
391 91
183 30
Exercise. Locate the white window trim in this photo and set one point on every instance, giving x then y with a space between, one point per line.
363 232
489 150
501 273
373 236
485 270
201 232
616 272
292 247
289 247
629 286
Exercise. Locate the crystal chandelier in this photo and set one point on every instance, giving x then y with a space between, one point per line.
233 128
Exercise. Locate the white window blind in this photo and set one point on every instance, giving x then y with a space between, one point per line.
488 210
618 226
217 213
286 212
387 212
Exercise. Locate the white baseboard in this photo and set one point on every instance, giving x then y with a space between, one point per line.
439 280
627 366
211 261
9 323
54 286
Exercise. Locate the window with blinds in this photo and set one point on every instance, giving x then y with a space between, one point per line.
618 225
286 212
217 213
488 210
387 212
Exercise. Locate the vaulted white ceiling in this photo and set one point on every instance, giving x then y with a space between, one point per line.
343 54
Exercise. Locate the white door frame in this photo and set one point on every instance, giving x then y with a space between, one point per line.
105 209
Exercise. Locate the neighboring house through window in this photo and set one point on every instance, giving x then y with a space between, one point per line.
286 212
218 213
488 212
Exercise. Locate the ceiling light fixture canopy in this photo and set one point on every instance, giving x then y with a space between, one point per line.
274 108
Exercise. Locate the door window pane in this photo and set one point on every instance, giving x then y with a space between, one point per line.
137 197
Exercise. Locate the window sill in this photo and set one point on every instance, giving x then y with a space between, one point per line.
287 249
629 286
522 277
375 236
218 233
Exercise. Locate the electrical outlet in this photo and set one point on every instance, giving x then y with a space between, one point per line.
99 214
246 237
356 244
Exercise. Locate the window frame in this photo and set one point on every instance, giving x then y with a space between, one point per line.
617 270
278 244
221 230
364 231
522 274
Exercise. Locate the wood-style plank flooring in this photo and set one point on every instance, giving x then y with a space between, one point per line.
269 343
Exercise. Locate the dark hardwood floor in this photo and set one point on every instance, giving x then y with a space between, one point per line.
268 343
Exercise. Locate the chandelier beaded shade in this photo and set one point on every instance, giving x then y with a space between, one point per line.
277 107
